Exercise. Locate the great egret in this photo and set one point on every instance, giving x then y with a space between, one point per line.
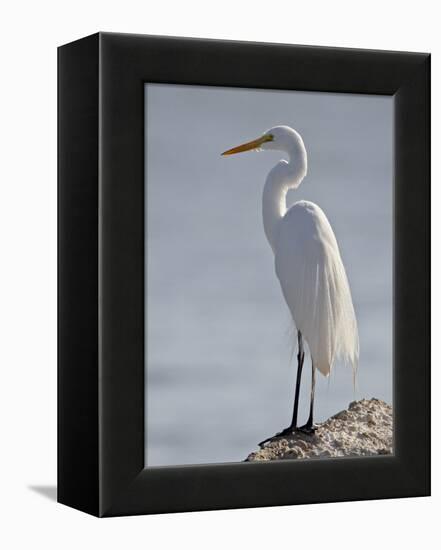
308 265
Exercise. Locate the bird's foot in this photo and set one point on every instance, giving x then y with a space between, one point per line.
287 431
308 429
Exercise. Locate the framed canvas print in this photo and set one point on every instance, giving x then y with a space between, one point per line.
240 329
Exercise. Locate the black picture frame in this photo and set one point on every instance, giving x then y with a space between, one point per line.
101 274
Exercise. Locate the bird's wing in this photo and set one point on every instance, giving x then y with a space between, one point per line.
315 286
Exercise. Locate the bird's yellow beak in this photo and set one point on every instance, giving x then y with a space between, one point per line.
249 146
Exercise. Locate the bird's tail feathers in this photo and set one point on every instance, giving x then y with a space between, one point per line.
331 331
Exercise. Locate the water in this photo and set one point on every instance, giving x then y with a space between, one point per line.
219 338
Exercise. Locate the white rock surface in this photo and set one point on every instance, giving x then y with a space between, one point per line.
364 429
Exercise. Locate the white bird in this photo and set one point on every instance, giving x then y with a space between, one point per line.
308 265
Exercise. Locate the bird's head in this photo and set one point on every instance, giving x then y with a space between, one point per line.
278 138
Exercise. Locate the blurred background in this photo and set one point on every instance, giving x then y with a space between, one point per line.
220 368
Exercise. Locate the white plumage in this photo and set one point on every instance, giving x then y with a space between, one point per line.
315 286
307 263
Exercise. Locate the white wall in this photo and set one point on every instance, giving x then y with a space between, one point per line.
30 32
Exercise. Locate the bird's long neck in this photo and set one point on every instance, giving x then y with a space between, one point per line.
284 176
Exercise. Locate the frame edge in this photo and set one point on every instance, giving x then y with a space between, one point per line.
78 469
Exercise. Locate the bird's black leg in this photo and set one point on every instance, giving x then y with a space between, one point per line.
309 427
300 360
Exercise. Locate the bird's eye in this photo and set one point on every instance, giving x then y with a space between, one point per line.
269 137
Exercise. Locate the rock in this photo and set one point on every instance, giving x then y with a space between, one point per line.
365 428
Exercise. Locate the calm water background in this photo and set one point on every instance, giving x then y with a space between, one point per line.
219 337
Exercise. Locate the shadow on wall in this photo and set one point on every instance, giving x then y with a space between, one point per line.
48 491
